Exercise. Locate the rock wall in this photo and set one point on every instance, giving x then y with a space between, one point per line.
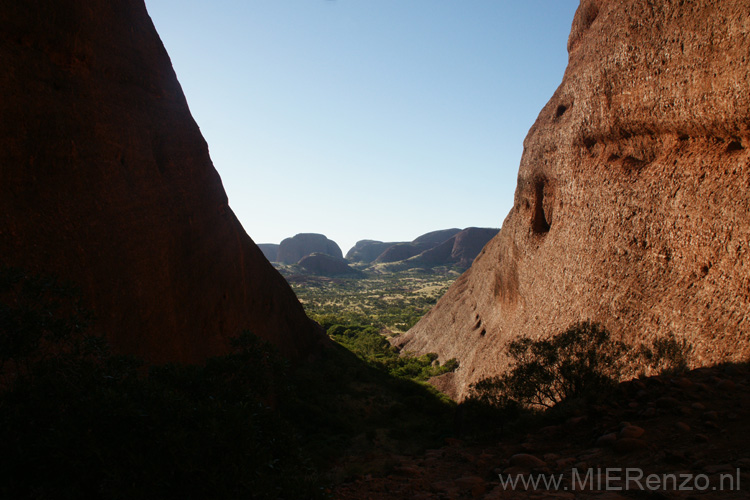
632 204
106 182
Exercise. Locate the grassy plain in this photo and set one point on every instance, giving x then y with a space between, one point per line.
390 301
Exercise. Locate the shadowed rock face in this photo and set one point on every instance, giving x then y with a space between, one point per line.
106 182
291 250
459 250
632 204
406 250
326 265
367 250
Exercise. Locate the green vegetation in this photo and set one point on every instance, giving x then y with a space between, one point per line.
581 361
391 302
580 365
362 313
371 346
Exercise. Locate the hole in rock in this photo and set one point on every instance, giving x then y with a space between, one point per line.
540 223
734 146
561 109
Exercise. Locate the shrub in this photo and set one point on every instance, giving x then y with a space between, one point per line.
578 362
371 346
665 354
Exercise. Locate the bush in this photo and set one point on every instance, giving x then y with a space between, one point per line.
371 346
579 362
666 354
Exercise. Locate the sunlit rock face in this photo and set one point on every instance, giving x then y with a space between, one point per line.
106 182
632 204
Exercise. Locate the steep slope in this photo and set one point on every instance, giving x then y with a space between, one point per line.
291 250
106 182
632 204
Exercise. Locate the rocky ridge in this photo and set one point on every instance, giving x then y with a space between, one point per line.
631 208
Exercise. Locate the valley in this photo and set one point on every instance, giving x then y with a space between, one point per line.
149 348
391 301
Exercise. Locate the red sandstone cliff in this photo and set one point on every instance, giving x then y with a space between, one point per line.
106 182
632 204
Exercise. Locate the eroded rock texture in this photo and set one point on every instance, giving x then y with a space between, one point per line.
106 182
632 204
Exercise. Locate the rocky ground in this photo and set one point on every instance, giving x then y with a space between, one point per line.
692 426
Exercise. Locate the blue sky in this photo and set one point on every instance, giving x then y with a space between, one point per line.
366 119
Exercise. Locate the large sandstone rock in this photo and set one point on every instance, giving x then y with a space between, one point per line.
632 204
367 250
405 250
106 182
400 251
459 250
291 250
436 237
326 265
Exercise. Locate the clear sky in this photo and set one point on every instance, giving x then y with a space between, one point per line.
366 119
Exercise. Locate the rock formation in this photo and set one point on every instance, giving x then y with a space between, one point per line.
400 251
406 250
367 251
291 250
106 183
326 265
270 250
459 250
436 237
632 204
